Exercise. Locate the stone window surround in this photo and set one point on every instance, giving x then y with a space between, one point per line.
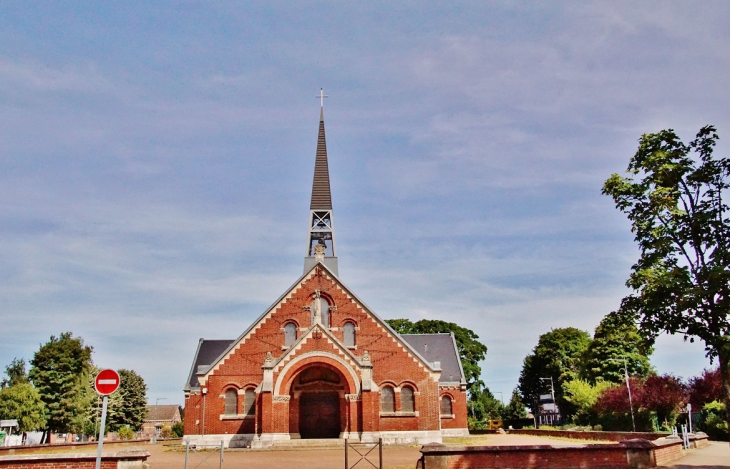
398 414
240 392
237 417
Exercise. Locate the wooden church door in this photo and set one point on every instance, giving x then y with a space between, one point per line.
319 415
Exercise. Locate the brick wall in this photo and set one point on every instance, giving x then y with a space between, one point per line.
33 449
133 459
458 407
629 454
667 452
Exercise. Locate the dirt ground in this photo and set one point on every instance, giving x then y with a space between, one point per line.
394 457
715 456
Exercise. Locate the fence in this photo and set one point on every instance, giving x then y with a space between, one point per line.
363 450
203 457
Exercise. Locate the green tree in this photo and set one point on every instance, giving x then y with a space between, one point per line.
557 355
15 374
516 408
681 282
60 373
483 406
471 350
616 338
23 403
128 405
583 395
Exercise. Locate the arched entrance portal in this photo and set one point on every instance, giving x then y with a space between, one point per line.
319 391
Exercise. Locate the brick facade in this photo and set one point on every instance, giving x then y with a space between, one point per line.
318 368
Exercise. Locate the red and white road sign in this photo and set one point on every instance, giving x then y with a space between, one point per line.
106 382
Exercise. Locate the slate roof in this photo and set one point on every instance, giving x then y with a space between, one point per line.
321 195
432 347
439 348
161 412
208 351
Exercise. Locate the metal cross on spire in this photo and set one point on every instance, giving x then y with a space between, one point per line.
321 97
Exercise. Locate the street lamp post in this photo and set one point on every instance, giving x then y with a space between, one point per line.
626 375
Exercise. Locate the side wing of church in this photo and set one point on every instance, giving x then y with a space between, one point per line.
320 364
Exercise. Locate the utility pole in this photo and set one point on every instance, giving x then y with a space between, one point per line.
628 387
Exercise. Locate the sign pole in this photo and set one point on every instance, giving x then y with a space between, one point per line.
105 383
101 432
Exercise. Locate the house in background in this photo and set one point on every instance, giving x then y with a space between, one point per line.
159 417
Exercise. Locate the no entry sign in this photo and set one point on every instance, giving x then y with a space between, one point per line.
106 382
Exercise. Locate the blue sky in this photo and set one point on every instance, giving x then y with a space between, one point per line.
156 162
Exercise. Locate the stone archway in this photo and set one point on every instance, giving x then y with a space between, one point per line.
318 392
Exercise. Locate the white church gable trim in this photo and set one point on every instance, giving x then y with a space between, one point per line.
235 346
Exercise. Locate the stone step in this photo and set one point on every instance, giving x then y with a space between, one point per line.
315 443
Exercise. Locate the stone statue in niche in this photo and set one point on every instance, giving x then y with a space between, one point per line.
319 251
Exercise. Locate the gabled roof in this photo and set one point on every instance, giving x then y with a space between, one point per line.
439 348
200 360
207 352
161 412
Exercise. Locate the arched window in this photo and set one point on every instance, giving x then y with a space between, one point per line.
324 308
231 402
387 399
446 406
290 334
348 331
407 403
249 402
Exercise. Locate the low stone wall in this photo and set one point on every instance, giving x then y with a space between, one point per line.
631 454
44 448
130 459
590 435
699 440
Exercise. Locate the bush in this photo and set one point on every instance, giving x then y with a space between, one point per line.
475 424
178 430
713 421
125 433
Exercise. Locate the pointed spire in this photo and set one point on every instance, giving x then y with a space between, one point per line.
321 194
321 242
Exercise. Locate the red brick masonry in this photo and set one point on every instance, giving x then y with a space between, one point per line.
630 454
44 448
131 459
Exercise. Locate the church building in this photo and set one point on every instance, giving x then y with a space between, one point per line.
318 363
